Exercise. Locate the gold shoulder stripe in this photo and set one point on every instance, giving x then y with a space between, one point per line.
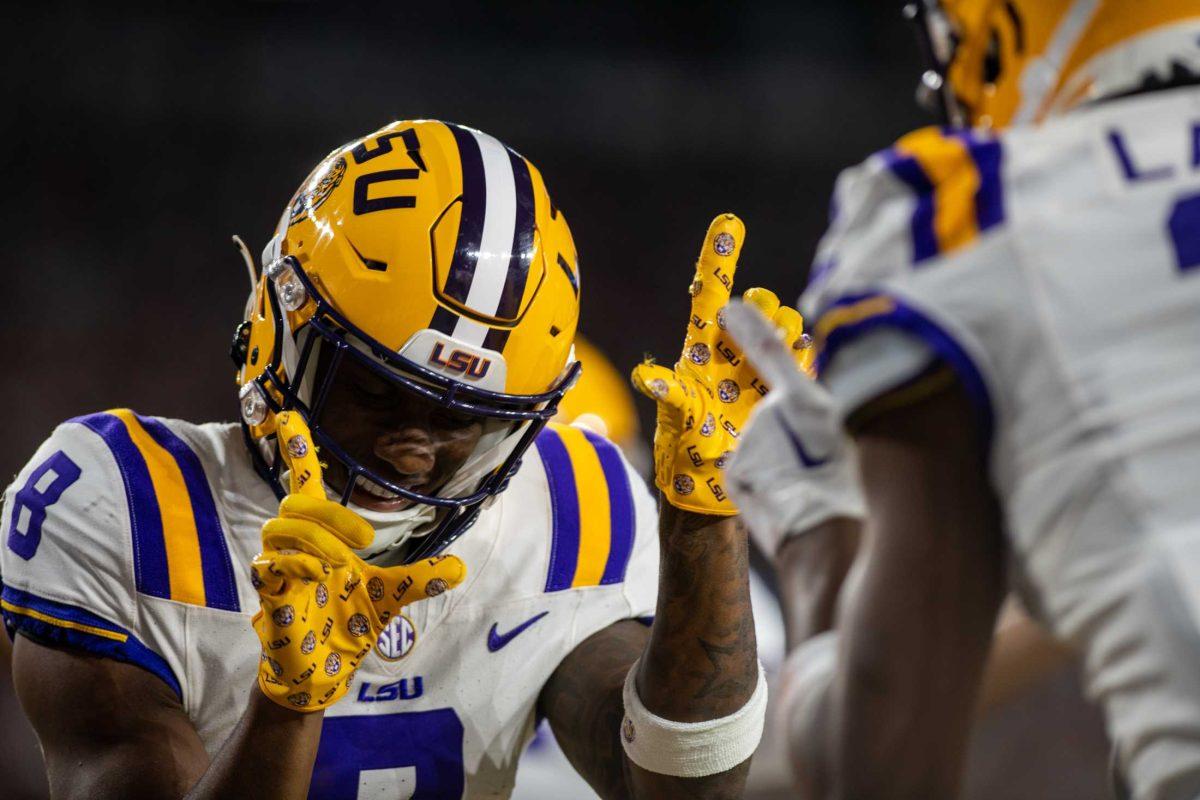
954 176
63 623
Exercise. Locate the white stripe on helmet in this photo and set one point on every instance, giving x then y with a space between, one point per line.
499 222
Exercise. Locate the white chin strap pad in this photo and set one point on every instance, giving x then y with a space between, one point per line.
691 749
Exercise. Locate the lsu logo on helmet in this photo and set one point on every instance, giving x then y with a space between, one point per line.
462 361
432 254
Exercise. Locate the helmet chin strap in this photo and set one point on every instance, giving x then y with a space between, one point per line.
394 528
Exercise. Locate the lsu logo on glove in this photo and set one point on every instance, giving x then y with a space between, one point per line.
323 607
704 401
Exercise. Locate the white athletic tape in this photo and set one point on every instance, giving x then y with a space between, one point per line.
691 749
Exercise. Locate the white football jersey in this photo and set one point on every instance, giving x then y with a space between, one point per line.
1056 270
131 536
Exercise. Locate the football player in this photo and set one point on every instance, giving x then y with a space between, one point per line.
379 580
1008 325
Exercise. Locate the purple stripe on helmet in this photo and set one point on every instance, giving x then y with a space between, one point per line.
565 267
564 510
496 338
522 243
443 320
470 225
621 527
149 546
220 586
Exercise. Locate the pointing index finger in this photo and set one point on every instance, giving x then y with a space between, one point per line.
715 269
300 455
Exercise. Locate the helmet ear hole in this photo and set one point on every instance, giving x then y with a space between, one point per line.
992 62
240 347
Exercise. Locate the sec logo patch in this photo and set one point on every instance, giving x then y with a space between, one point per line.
397 639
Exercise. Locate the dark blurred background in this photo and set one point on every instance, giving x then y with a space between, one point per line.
136 140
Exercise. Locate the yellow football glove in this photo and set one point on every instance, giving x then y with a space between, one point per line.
322 606
705 400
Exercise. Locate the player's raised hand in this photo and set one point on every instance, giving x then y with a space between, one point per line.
703 402
794 468
322 606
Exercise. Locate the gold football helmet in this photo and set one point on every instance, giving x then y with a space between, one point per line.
432 254
996 63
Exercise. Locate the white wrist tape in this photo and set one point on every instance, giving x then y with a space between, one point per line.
691 749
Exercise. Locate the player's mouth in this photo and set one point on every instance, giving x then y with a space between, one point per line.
370 495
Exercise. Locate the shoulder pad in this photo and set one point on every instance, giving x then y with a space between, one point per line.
142 504
111 508
933 192
179 546
593 510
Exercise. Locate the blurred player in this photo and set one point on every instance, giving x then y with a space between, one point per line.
1009 326
403 348
1023 654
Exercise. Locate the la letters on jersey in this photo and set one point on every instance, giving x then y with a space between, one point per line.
1142 158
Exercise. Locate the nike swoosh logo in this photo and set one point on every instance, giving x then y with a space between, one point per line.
807 460
498 640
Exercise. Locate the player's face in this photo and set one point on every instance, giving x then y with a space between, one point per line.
406 439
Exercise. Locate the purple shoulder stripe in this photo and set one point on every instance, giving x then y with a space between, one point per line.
564 510
149 546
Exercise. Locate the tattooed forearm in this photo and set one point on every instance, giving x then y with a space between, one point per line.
702 660
698 662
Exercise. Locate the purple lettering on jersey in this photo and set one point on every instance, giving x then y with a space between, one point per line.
1129 168
31 502
428 742
1184 225
403 689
